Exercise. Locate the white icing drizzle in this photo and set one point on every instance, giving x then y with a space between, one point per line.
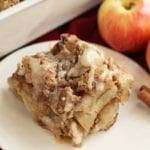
91 57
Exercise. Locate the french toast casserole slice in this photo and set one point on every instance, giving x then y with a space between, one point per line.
8 3
73 89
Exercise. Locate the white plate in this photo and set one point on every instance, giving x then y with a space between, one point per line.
19 132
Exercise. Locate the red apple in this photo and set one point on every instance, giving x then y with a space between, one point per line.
148 55
125 24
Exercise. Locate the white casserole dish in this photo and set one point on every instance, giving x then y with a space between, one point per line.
30 19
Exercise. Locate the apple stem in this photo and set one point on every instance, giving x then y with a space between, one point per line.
129 5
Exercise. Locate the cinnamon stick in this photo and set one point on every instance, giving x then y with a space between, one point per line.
144 95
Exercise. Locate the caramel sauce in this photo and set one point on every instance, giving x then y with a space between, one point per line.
63 140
